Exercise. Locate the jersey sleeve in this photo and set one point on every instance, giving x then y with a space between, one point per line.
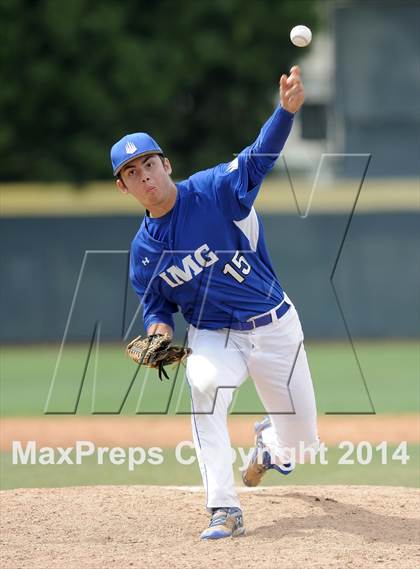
156 308
236 184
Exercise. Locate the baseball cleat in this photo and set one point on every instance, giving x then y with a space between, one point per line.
225 522
261 459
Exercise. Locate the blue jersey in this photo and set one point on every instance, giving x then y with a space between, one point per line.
208 256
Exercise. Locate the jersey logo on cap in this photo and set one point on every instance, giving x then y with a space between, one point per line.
130 148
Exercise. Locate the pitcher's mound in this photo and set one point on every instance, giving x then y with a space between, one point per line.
141 526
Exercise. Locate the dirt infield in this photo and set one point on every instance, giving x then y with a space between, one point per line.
146 526
168 431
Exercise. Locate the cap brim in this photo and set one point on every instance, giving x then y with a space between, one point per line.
134 156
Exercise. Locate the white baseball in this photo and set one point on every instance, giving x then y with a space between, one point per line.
301 36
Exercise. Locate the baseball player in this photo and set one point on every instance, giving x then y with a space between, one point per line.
201 249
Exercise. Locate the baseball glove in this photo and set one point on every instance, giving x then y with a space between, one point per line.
156 351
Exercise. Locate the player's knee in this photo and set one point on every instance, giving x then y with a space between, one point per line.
202 375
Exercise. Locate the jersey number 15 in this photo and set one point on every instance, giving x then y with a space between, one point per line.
241 263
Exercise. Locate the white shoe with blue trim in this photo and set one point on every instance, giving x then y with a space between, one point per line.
225 522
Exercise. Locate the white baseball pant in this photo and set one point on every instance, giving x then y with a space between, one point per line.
275 358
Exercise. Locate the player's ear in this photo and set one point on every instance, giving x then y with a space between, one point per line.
121 186
167 166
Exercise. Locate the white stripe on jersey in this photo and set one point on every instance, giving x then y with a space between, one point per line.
250 228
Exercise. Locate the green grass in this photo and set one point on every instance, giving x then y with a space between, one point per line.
391 370
173 473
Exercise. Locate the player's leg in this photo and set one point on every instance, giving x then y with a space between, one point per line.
279 367
211 366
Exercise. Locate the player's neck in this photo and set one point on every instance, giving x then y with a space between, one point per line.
163 208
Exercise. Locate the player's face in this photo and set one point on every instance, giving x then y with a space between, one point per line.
147 178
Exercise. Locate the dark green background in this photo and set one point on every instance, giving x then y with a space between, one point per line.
76 76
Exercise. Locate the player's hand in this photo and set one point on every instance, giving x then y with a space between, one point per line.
291 90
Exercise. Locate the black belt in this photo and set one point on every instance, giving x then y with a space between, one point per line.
261 320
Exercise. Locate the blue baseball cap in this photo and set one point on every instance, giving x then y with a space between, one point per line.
132 146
